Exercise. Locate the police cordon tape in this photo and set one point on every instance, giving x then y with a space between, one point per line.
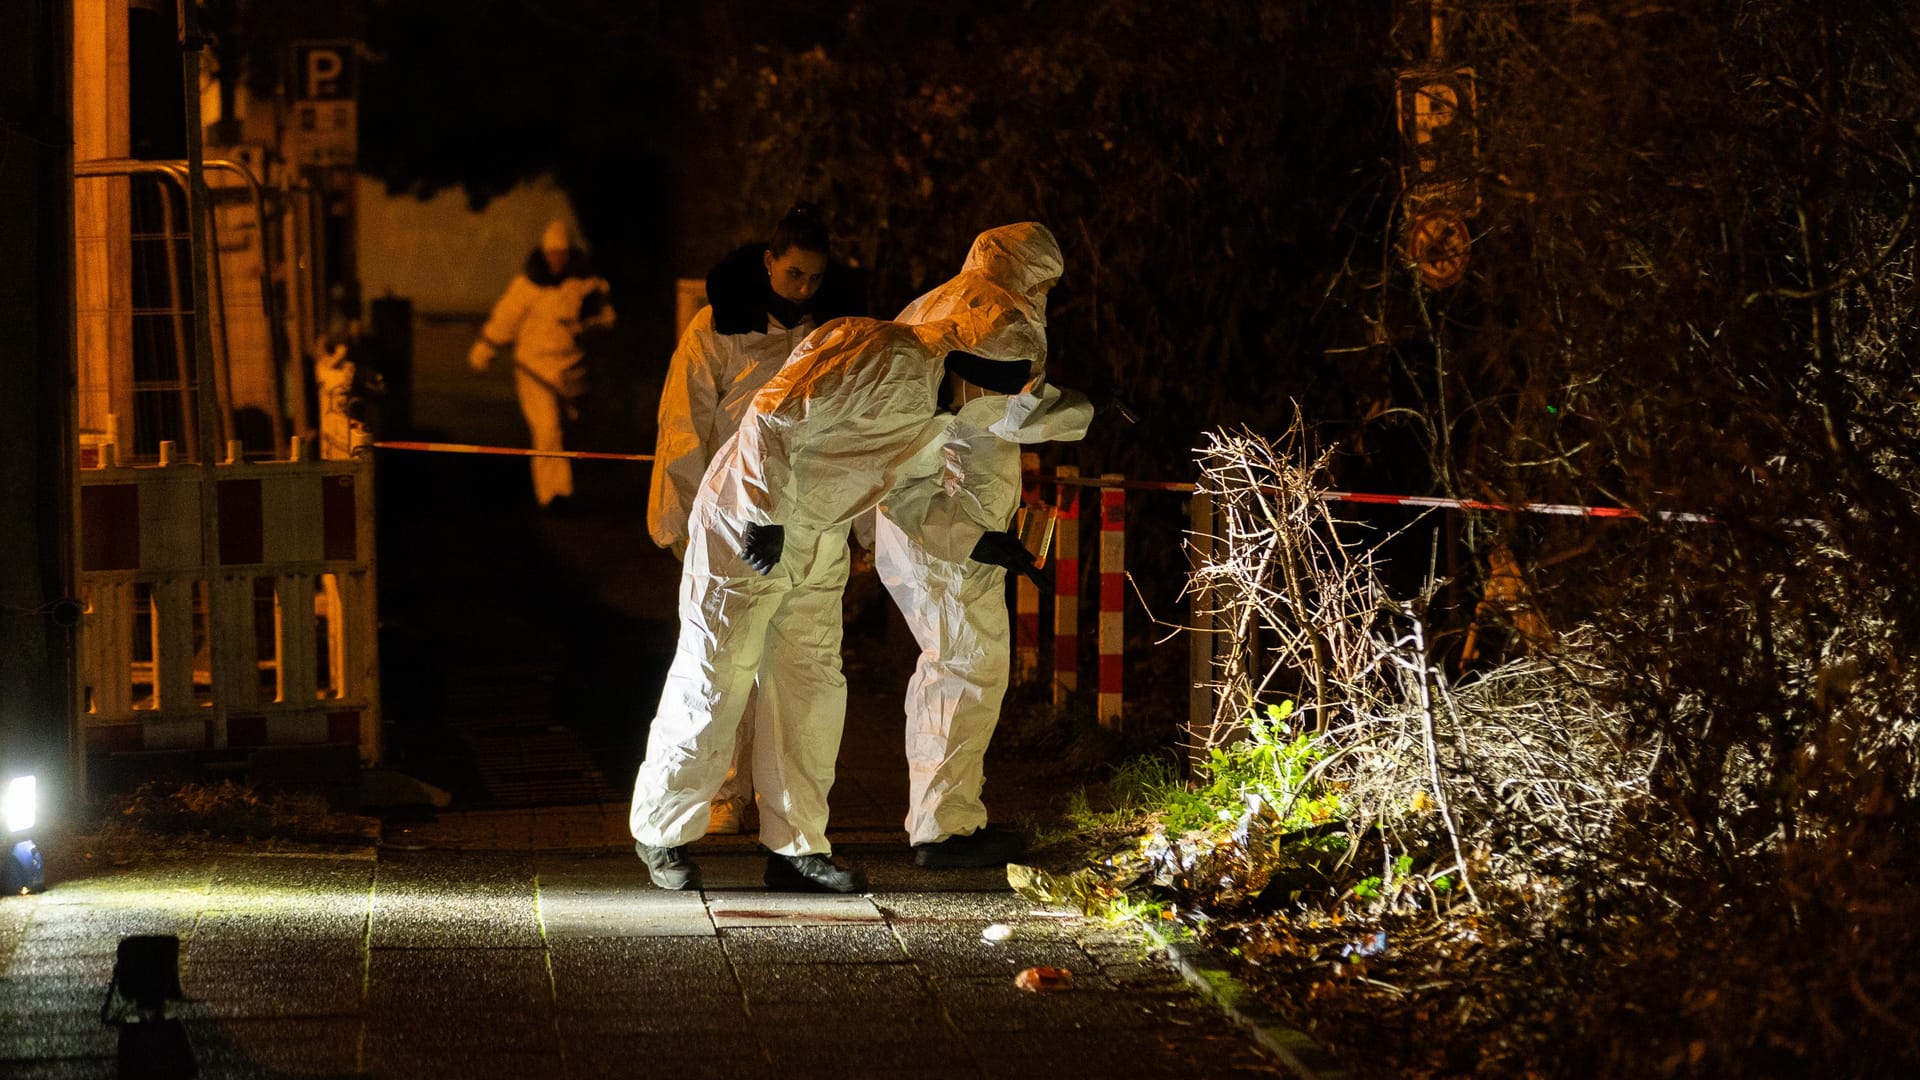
1431 502
1112 561
509 451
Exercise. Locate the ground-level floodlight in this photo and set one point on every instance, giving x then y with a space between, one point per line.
146 976
21 871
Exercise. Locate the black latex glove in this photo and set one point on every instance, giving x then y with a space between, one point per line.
1005 549
1106 399
761 546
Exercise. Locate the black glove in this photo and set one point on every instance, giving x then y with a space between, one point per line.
1105 399
1005 549
761 546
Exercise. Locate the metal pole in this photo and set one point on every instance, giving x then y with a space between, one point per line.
1200 623
191 45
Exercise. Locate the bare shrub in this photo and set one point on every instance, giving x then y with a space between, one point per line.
1525 766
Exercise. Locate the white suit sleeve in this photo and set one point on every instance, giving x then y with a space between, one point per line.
766 467
1044 413
933 502
605 316
509 312
685 442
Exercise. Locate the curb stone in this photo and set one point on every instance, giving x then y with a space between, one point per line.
1294 1048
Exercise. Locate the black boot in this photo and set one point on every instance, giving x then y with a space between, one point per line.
985 846
812 873
669 867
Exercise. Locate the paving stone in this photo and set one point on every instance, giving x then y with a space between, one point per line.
40 995
480 981
451 1032
811 944
84 964
668 962
857 986
677 1061
712 1023
443 1063
299 1046
31 1036
790 909
958 950
207 947
862 1049
585 912
946 904
97 1068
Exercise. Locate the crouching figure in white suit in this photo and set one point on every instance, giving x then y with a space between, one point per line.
854 411
933 544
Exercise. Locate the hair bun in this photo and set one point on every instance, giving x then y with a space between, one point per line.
804 225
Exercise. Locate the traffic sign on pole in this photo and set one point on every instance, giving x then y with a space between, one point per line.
323 126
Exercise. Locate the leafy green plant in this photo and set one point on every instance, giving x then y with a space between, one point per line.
1272 765
1158 918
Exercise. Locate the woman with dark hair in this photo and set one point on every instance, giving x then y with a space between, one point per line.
763 300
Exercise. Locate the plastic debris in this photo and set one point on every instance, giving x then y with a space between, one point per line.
1369 946
1041 979
1044 888
996 933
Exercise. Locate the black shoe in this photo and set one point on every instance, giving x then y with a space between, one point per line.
985 846
812 873
669 867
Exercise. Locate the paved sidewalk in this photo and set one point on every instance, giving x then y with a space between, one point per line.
568 964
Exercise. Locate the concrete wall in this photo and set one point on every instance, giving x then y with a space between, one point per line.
444 257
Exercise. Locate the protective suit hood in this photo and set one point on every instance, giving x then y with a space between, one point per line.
996 301
854 408
1019 258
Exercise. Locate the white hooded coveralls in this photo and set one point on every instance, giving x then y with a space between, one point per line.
540 315
924 534
851 413
720 363
710 382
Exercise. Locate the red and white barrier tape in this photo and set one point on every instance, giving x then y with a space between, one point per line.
1428 501
510 451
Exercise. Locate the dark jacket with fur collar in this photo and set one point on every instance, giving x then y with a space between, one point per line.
741 298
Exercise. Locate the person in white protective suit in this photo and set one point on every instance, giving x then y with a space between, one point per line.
927 556
854 410
541 315
763 300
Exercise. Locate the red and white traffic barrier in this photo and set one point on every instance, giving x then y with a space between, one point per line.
1113 567
1026 605
258 629
1066 586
